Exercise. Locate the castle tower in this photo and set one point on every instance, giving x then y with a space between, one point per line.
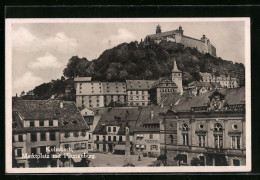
158 29
180 30
177 77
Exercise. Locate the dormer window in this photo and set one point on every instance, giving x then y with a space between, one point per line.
218 127
67 134
65 123
76 134
83 133
41 123
74 122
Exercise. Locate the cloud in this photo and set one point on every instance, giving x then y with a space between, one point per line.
123 35
24 40
27 82
46 61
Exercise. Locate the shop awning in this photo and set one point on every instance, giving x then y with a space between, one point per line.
120 147
142 146
137 146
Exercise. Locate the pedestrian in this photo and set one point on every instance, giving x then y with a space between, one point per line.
139 158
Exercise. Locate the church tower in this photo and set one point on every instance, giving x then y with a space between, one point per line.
177 77
158 29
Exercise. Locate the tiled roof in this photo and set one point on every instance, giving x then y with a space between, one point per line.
139 84
117 117
145 118
51 110
233 96
82 79
167 33
114 88
161 81
216 84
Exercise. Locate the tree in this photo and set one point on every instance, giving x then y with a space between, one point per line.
84 162
162 158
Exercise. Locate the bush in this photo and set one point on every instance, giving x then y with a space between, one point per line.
195 161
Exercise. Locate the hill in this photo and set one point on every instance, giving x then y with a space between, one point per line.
141 61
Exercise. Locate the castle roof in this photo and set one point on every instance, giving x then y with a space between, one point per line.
139 84
163 34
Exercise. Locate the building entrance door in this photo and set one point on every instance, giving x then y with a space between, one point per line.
104 148
110 148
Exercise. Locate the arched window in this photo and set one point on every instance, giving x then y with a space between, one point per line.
185 127
218 127
171 136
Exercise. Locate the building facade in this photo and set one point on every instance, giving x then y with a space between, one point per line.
213 133
224 81
138 92
41 126
203 45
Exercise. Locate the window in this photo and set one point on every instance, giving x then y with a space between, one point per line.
185 127
89 136
142 92
109 138
120 138
20 138
153 147
236 162
50 122
76 134
43 136
31 123
136 92
171 137
33 137
89 146
43 149
13 139
34 150
83 133
77 146
97 138
142 97
19 152
67 134
114 138
131 97
151 136
83 145
109 129
41 123
66 146
114 129
143 103
218 141
234 127
185 139
52 136
137 97
218 127
235 142
201 126
202 140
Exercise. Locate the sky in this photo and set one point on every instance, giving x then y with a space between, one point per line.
40 51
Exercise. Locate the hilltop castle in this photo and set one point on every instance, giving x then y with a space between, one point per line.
203 45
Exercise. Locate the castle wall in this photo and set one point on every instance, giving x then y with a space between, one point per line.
189 42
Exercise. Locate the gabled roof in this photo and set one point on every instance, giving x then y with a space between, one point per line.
119 116
50 110
139 84
145 119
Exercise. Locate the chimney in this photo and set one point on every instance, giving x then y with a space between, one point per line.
61 104
151 114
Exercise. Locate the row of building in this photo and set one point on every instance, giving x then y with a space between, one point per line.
210 127
93 94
